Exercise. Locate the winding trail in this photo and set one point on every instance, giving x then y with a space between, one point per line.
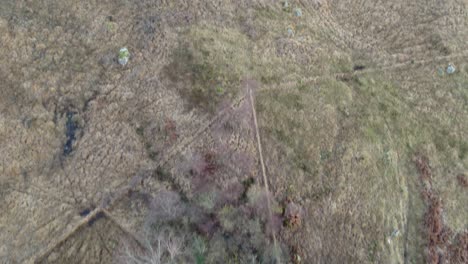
397 66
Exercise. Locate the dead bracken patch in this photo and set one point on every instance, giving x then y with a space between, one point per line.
438 234
433 221
292 214
210 162
171 130
422 163
440 247
425 175
294 220
459 249
462 180
296 254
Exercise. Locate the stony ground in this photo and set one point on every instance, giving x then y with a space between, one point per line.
363 131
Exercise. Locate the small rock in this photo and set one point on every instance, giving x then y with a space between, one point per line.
440 71
298 12
123 56
395 233
450 69
290 32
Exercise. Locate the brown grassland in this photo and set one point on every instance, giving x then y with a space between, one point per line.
361 131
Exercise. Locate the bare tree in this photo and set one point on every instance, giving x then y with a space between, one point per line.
174 246
165 206
163 247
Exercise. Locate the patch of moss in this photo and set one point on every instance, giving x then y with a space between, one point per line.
343 64
270 13
372 251
210 63
463 150
227 217
335 92
322 193
270 78
293 101
302 86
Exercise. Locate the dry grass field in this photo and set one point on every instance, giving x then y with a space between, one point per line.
349 105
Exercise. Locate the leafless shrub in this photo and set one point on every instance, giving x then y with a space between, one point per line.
274 224
459 249
293 214
462 180
239 126
233 193
208 226
203 164
165 206
257 200
174 246
275 254
193 163
162 247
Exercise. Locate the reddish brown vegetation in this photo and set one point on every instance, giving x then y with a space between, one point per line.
294 220
462 180
209 226
438 234
296 254
233 193
203 164
459 250
434 223
439 244
210 163
203 168
422 163
292 214
171 130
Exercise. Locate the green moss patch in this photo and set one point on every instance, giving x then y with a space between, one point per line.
210 63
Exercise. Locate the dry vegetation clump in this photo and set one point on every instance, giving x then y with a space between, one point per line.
225 205
422 163
231 230
293 214
346 92
462 180
437 233
459 249
207 66
159 247
441 244
170 128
